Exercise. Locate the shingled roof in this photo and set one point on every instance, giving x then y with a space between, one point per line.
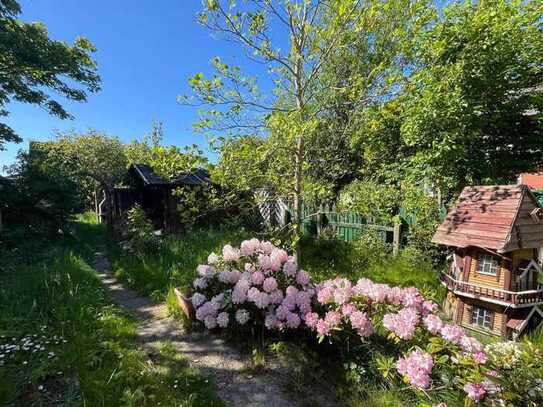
497 217
149 178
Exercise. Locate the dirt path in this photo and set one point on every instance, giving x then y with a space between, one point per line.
210 354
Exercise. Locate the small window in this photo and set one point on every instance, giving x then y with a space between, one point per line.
482 317
487 264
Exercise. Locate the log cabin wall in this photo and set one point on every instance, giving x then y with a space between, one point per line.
497 281
498 320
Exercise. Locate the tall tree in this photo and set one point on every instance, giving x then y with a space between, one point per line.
92 156
295 40
32 64
473 107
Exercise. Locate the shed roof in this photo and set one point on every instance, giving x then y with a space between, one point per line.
497 217
148 176
534 180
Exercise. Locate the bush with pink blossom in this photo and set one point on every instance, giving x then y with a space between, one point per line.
397 329
259 284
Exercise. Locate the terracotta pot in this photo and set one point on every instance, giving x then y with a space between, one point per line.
185 303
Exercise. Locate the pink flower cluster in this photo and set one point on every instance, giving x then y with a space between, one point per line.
416 367
403 323
270 285
475 391
271 290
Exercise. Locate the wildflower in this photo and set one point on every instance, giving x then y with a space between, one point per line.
428 307
217 301
277 258
269 284
289 302
303 301
223 319
242 316
491 387
475 391
281 312
207 309
470 345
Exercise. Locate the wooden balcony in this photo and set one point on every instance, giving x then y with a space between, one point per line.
514 299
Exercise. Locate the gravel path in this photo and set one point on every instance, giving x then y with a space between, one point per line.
210 354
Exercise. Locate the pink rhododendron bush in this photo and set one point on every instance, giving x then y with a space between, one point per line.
394 329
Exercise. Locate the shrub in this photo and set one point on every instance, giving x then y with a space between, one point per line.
270 292
392 330
140 230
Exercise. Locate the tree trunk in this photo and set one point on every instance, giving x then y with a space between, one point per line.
96 209
298 196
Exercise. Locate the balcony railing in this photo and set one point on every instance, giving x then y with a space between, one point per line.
515 298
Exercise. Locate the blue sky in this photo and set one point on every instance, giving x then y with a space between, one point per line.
147 50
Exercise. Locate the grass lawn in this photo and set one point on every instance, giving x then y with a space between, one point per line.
155 273
63 343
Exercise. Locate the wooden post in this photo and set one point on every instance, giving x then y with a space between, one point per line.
396 239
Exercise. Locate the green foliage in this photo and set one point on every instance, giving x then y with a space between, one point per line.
36 202
468 102
174 264
97 360
140 231
33 64
369 257
371 199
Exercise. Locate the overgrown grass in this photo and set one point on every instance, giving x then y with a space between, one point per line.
63 343
174 263
328 258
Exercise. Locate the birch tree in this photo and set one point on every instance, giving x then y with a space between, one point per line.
292 39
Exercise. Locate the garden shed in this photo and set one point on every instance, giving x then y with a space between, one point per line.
494 281
154 194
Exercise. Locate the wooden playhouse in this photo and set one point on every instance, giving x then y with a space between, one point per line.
494 279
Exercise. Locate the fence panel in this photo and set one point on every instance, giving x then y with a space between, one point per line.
348 226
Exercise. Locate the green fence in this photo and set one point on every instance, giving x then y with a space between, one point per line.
346 225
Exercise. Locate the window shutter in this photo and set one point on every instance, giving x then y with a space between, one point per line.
470 314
